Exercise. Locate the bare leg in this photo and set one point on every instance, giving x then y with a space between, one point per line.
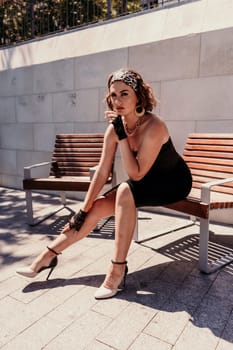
102 207
125 218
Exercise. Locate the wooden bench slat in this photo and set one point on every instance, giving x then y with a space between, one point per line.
213 142
211 136
210 174
219 161
207 154
227 170
202 180
209 148
219 189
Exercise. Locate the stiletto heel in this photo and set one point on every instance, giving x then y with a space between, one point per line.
106 293
28 272
49 274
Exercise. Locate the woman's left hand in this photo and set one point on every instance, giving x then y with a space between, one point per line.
76 221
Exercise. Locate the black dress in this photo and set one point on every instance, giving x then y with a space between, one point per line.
168 180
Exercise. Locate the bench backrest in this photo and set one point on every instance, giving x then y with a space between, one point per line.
210 157
74 154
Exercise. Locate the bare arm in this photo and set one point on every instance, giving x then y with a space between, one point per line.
152 139
103 170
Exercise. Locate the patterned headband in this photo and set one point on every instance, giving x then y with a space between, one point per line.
129 78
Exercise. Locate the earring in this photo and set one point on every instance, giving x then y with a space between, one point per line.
139 111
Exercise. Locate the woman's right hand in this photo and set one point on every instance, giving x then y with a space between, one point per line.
117 122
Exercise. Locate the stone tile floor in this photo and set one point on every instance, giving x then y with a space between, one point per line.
168 303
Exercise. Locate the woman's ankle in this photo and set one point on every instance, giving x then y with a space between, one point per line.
42 259
114 276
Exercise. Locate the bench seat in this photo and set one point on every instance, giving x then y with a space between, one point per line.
210 159
73 163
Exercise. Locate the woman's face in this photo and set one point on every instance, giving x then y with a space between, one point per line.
123 98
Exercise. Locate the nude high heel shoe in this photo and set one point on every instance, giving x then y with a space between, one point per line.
28 272
106 293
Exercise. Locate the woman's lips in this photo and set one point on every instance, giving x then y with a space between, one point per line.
119 110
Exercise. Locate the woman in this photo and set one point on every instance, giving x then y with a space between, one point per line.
157 176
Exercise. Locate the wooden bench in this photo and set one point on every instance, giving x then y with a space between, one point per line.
210 159
72 166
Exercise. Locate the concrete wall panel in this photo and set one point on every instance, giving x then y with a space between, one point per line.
212 126
27 158
17 136
88 105
34 108
217 53
8 162
92 71
65 107
54 76
182 19
168 59
218 14
16 81
7 110
197 99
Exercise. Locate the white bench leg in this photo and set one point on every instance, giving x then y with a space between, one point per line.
63 198
29 207
203 245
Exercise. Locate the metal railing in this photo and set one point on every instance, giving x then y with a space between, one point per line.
25 20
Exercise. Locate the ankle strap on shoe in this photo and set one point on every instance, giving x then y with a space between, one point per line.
53 251
119 262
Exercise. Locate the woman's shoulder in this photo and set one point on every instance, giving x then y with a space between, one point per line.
157 127
156 121
155 118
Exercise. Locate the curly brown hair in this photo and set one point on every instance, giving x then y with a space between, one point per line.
143 91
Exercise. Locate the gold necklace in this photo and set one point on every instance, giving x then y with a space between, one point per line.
139 122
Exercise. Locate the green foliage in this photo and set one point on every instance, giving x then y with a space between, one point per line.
23 20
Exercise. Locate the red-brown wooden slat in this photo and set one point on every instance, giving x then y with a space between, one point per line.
214 142
212 174
76 154
201 179
210 167
212 154
219 161
209 148
211 136
219 189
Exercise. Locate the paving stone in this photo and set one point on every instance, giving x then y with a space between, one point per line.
111 309
168 325
80 333
75 306
15 318
207 325
146 342
196 338
126 327
35 336
96 345
226 340
10 285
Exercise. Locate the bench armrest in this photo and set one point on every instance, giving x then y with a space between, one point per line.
27 169
206 188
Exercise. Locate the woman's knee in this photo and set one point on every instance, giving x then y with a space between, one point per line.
124 194
102 206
